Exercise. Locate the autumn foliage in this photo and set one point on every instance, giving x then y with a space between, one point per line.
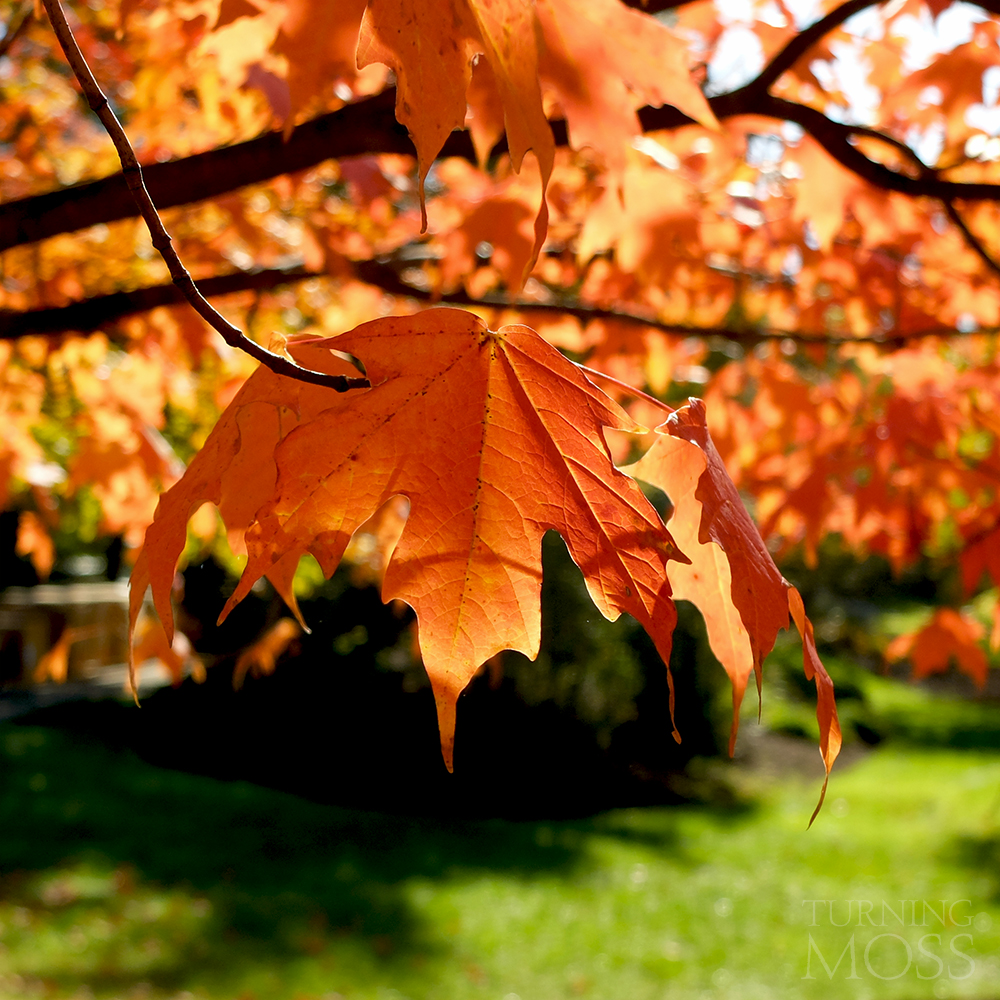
770 236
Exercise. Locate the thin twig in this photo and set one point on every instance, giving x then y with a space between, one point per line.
805 40
924 171
16 27
991 262
161 239
96 312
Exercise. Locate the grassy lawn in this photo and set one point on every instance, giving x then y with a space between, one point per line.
118 879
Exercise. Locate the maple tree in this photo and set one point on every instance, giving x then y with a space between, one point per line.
785 209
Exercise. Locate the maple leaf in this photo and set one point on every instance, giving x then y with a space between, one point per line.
320 41
260 658
731 578
980 557
958 77
949 635
677 466
493 437
372 544
177 655
824 207
605 61
53 664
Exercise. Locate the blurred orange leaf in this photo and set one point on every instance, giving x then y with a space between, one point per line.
261 656
949 636
34 541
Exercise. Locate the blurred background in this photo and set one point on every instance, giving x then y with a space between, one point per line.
275 822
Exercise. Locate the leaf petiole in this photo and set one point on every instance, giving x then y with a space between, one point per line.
631 390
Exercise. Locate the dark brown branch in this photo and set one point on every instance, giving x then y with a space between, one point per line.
101 310
132 172
657 6
924 171
98 311
368 126
834 137
805 40
808 37
16 27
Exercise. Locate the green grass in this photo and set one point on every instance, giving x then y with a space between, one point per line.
885 708
118 879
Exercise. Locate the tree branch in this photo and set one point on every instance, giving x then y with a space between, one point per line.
927 172
835 139
970 237
100 310
805 40
368 126
808 37
96 312
132 172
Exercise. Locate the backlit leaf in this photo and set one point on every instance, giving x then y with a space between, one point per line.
714 521
492 436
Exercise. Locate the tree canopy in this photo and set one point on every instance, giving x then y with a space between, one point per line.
786 209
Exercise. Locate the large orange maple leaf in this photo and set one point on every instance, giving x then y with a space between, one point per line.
494 437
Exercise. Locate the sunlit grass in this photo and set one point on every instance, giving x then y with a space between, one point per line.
122 880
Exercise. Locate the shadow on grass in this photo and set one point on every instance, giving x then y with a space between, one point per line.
981 856
132 872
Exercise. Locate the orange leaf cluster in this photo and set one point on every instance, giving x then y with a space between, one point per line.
899 456
598 66
480 490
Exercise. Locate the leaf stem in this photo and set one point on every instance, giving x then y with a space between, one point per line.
631 390
132 173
